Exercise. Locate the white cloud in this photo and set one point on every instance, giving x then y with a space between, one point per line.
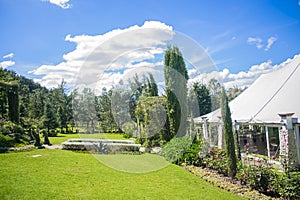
61 3
299 3
240 79
10 55
271 41
5 64
126 51
255 40
259 43
103 60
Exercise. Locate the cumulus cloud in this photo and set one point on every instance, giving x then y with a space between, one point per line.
10 55
259 43
103 59
256 41
271 41
5 64
240 79
61 3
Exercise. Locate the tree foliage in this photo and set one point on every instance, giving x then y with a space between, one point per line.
215 88
12 93
199 96
152 121
228 133
49 118
176 90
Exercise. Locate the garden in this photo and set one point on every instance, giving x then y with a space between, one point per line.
86 146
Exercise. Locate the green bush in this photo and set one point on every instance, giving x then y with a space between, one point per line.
191 156
292 186
259 178
53 133
271 182
174 150
16 133
182 150
6 141
128 134
216 159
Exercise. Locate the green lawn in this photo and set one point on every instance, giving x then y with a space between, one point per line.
60 174
64 137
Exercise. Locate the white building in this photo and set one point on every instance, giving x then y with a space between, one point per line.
272 101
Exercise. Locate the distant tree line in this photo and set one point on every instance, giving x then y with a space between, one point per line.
136 107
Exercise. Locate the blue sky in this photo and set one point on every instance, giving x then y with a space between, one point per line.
236 34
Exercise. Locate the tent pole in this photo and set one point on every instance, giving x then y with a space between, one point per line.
268 142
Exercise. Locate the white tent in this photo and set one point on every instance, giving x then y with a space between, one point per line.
271 94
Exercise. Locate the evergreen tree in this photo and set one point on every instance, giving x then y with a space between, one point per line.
228 133
202 98
62 119
24 103
104 111
136 91
13 102
36 104
49 118
120 106
152 86
176 90
215 93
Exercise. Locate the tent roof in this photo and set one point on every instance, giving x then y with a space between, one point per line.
271 94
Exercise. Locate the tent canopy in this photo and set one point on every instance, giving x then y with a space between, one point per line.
270 95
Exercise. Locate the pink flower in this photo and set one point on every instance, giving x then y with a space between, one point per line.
274 157
245 176
247 145
209 150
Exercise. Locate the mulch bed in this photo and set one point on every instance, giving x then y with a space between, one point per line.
24 148
226 183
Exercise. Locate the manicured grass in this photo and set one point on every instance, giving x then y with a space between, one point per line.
64 137
143 163
59 174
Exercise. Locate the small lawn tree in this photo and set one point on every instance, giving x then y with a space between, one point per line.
228 133
49 121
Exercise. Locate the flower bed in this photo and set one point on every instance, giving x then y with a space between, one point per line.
226 183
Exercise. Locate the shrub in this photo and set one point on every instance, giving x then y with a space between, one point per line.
271 182
128 134
191 156
52 133
182 150
174 150
259 178
216 159
6 141
292 186
16 132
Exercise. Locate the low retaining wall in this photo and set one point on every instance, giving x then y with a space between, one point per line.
101 145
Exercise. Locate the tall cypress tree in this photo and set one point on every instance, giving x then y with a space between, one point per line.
176 90
62 119
12 89
228 133
49 117
152 85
